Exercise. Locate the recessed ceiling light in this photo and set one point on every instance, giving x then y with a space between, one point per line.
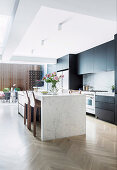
59 26
32 51
43 42
62 23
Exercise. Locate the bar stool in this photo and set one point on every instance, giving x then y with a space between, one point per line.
37 105
28 113
25 106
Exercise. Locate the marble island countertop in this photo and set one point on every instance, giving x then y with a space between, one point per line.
59 94
62 115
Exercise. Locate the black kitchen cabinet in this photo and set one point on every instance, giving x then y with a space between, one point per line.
81 63
63 63
115 39
110 55
105 115
106 99
97 59
116 79
85 62
116 109
59 64
75 81
51 68
105 108
116 63
100 58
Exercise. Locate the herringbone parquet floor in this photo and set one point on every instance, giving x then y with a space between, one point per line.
19 150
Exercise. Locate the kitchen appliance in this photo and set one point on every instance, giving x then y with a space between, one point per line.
90 103
64 83
90 100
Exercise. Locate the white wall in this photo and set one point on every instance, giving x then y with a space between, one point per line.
99 81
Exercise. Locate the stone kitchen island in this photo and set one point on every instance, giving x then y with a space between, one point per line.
62 115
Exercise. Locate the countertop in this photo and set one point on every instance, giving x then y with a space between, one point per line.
105 93
99 93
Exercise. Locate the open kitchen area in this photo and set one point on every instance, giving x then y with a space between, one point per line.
58 85
93 73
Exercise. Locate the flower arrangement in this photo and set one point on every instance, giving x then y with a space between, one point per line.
52 78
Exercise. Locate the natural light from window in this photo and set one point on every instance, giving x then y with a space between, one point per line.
4 20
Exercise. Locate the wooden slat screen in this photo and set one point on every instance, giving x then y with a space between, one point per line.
16 74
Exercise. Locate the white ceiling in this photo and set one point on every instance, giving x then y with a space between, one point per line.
105 9
6 7
79 33
91 23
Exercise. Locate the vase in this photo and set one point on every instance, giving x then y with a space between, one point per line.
113 90
54 90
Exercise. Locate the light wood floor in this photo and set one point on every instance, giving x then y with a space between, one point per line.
19 150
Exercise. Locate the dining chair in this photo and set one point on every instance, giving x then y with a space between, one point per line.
28 115
2 97
25 106
16 96
7 96
37 107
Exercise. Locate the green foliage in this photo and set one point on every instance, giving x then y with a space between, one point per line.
6 90
17 89
113 87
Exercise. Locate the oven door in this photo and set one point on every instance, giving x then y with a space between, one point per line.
90 104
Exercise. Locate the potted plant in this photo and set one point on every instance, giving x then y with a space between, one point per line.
53 79
113 88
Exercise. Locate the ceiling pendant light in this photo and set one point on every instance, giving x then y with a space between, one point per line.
60 26
42 42
62 23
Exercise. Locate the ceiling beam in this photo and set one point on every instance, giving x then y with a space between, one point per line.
26 11
33 59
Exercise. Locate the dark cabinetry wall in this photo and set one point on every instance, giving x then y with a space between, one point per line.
97 59
116 63
75 81
116 109
100 58
85 62
111 56
116 79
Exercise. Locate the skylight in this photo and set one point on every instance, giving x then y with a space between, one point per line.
4 20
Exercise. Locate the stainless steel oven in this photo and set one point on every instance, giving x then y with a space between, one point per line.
90 103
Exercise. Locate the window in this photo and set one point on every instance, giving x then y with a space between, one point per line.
4 21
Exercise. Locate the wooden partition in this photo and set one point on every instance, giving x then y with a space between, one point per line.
16 74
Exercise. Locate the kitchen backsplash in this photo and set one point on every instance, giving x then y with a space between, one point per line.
99 81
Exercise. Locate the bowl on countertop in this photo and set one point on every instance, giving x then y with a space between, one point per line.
44 92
